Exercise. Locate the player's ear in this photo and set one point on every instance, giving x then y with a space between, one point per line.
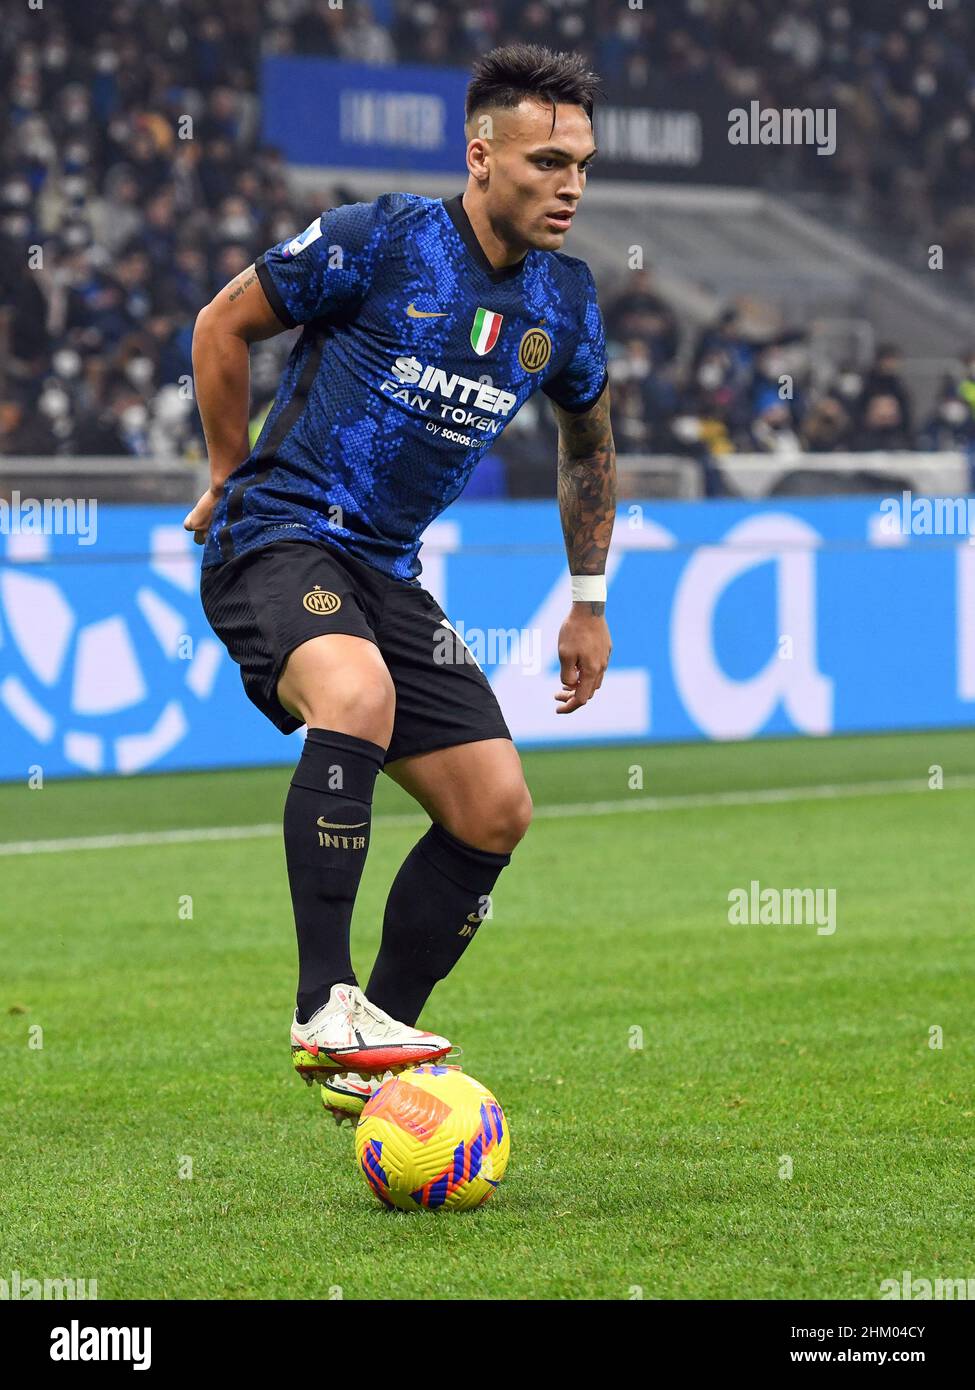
478 156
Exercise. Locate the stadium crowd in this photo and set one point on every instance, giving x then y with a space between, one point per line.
131 158
900 74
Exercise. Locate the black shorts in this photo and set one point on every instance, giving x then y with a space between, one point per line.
264 604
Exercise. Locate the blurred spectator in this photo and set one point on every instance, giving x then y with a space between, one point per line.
884 381
882 425
951 424
966 386
121 428
23 431
847 388
639 312
826 427
772 431
361 40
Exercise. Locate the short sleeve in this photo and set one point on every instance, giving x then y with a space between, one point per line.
327 268
582 380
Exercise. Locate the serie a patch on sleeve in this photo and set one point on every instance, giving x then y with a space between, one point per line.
300 243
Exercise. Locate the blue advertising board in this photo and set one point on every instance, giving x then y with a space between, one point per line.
327 113
730 620
319 111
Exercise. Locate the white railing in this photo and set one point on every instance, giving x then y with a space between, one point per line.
652 475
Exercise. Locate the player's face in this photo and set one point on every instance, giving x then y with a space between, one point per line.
537 172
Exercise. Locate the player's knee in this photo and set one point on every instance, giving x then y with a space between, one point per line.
502 819
520 814
370 705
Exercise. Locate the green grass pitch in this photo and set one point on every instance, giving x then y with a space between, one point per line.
653 1170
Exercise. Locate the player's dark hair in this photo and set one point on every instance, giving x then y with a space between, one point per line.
505 76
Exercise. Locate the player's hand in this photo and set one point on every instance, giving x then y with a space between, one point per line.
584 648
198 521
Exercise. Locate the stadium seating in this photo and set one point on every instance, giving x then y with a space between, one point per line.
143 180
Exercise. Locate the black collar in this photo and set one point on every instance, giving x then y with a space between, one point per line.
458 215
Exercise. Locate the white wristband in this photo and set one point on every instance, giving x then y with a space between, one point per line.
588 588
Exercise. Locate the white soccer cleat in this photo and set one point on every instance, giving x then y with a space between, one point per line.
348 1034
389 1043
345 1097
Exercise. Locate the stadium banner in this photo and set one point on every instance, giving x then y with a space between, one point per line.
730 620
318 111
348 115
672 132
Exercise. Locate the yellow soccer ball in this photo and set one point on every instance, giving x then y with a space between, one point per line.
432 1137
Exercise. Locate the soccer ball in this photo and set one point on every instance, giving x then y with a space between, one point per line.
432 1137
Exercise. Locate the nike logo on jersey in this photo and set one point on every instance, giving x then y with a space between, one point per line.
412 312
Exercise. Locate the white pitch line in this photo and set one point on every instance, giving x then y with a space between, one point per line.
769 796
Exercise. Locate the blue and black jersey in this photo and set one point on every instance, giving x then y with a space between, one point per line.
414 355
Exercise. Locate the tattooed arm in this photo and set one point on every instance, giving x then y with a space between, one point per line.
587 503
238 316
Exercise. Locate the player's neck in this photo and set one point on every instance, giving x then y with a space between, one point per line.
499 252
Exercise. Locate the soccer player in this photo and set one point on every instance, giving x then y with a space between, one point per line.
426 324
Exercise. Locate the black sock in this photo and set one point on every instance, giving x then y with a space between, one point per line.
326 836
436 903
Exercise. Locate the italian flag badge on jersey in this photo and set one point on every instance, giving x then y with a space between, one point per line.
485 330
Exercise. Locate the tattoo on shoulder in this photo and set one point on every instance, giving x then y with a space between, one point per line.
238 290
